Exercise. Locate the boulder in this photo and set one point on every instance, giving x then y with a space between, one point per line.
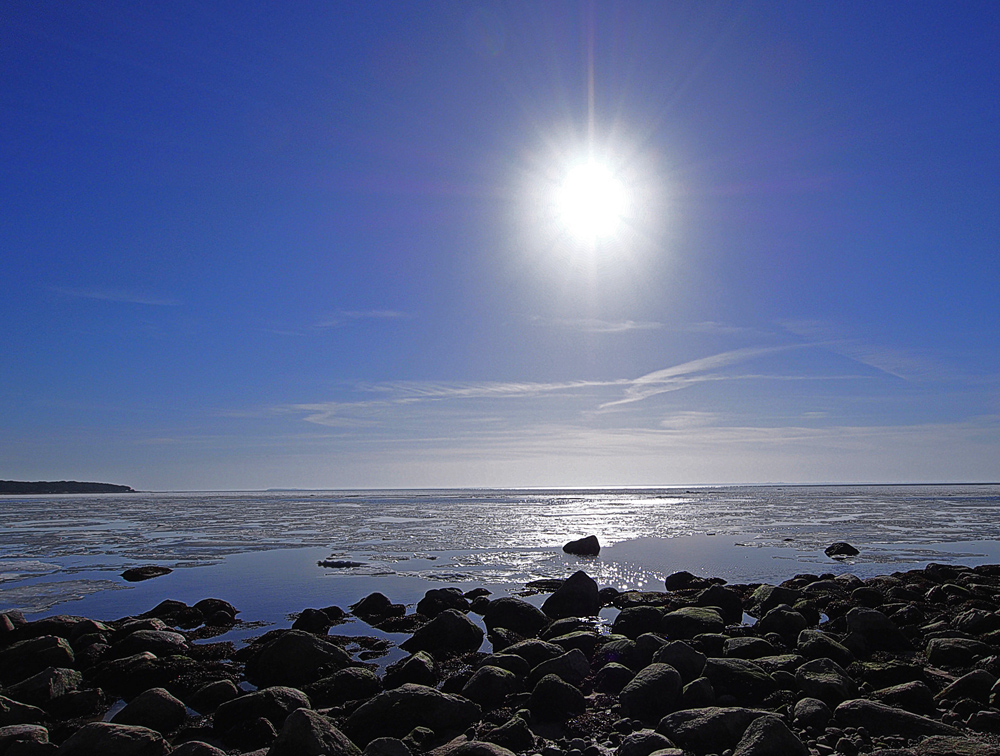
146 572
943 745
535 651
643 743
376 606
158 642
307 733
748 647
515 614
17 713
387 747
638 620
273 704
840 549
975 685
417 668
42 689
510 662
766 597
572 667
295 658
612 677
155 709
697 694
709 730
815 644
955 652
197 748
449 633
584 640
109 739
745 681
436 600
208 697
913 696
826 680
576 597
686 660
588 546
811 712
29 657
32 735
555 699
350 684
490 686
394 713
478 748
769 736
620 650
728 602
682 580
782 620
514 735
881 719
689 621
879 632
653 693
312 621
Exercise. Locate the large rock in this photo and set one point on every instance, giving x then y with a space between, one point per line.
515 614
826 680
687 661
535 651
17 713
295 658
28 657
766 597
514 734
815 644
654 692
158 642
913 696
576 597
955 652
728 602
555 699
748 647
709 730
351 684
643 743
273 704
490 686
197 748
634 621
840 549
394 713
811 712
588 546
745 681
479 748
880 719
449 633
940 745
572 667
307 733
436 600
207 698
612 677
784 621
109 739
417 668
31 735
690 621
42 689
769 736
155 709
879 632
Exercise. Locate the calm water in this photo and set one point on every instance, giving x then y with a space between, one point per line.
259 550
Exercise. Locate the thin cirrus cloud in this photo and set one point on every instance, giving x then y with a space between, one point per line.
599 325
117 295
342 317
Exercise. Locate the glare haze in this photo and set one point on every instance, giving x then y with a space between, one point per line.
430 244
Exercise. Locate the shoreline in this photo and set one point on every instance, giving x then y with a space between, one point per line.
904 663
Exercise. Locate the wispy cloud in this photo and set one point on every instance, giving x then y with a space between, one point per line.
341 317
117 295
599 325
687 373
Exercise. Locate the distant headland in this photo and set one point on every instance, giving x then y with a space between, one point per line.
59 487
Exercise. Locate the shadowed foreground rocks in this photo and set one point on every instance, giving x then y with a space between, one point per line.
896 665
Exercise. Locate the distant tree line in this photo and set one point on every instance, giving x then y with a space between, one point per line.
59 487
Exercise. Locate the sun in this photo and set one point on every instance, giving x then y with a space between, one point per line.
591 202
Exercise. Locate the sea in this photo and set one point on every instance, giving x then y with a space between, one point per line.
274 553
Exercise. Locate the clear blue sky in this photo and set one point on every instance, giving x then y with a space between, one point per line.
317 244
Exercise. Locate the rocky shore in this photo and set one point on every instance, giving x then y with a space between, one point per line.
896 665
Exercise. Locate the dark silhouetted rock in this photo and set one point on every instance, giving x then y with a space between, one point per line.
28 657
811 712
688 661
109 739
514 735
515 614
913 696
535 651
690 621
612 678
436 600
643 743
683 581
637 620
307 733
555 699
146 572
273 704
652 693
826 680
769 736
572 667
745 681
576 597
295 658
450 632
155 709
45 687
815 644
312 621
208 697
32 738
955 652
394 713
490 686
197 748
710 730
17 713
351 684
879 632
727 600
158 642
588 546
881 719
418 668
840 549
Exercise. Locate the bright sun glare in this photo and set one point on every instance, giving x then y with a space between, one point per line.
591 202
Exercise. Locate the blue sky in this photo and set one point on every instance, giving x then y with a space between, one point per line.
252 245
